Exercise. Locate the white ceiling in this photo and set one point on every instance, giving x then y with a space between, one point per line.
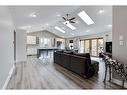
50 16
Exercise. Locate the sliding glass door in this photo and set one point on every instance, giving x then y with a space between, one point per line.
92 46
82 46
87 46
100 45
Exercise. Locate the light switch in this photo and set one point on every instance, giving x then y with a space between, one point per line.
120 37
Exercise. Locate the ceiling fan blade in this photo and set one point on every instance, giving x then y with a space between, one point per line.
64 18
72 22
72 18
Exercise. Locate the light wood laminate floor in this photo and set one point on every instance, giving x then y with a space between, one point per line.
44 74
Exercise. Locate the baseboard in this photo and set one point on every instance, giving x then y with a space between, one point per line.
119 82
9 77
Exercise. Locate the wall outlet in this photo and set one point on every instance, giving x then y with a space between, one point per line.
121 43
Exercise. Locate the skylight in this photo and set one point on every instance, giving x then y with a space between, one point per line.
84 16
69 25
59 29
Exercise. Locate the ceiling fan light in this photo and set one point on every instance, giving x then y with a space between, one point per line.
69 25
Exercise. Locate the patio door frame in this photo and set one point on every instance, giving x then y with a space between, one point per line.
90 45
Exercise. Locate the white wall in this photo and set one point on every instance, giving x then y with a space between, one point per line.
120 29
76 41
6 44
20 45
120 34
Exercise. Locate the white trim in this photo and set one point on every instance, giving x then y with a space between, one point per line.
8 78
119 82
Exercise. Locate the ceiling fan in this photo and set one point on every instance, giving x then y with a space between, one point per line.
69 20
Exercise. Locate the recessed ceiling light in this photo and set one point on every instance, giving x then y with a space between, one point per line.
27 31
87 30
33 15
47 24
69 25
84 16
72 34
77 21
58 15
59 29
109 25
28 26
101 11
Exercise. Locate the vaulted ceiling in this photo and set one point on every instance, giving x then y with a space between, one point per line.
39 18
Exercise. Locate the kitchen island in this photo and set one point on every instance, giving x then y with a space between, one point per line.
45 50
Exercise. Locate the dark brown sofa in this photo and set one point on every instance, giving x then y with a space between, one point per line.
77 63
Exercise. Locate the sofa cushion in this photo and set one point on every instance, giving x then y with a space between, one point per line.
68 52
78 64
57 58
87 55
60 51
65 60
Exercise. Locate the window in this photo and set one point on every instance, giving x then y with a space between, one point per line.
82 46
93 46
87 46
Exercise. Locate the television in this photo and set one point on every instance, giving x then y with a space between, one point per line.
108 47
71 41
